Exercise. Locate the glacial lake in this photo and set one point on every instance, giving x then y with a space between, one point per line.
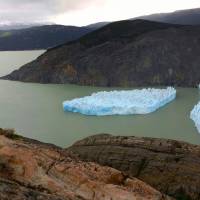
35 111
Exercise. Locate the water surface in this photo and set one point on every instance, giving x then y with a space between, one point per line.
35 111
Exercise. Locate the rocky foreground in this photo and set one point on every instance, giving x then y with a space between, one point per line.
31 170
129 168
171 167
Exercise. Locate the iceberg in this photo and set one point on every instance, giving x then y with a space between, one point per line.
195 116
138 101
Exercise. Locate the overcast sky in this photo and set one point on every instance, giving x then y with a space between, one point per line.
83 12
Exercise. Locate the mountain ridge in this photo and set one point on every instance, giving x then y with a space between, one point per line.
125 53
28 37
40 37
182 17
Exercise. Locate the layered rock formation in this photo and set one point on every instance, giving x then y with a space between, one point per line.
30 170
125 53
169 166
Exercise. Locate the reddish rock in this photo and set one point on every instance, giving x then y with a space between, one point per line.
30 170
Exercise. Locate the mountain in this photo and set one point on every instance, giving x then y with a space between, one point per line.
184 17
17 26
124 53
40 37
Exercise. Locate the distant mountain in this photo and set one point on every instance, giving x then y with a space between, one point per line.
98 25
184 17
125 53
17 26
40 37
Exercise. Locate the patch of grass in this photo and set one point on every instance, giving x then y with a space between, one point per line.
181 195
5 34
142 165
10 133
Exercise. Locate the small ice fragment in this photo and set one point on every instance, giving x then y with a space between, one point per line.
195 116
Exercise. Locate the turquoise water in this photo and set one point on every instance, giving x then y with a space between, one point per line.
35 111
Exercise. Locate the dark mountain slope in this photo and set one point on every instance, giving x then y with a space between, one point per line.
40 37
125 29
18 26
125 53
184 17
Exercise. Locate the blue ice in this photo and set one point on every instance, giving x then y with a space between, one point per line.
125 102
195 116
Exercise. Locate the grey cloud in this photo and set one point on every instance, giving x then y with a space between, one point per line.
37 10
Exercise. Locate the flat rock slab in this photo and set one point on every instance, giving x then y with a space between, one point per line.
169 166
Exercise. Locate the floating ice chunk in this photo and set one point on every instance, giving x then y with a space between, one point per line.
121 102
195 116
